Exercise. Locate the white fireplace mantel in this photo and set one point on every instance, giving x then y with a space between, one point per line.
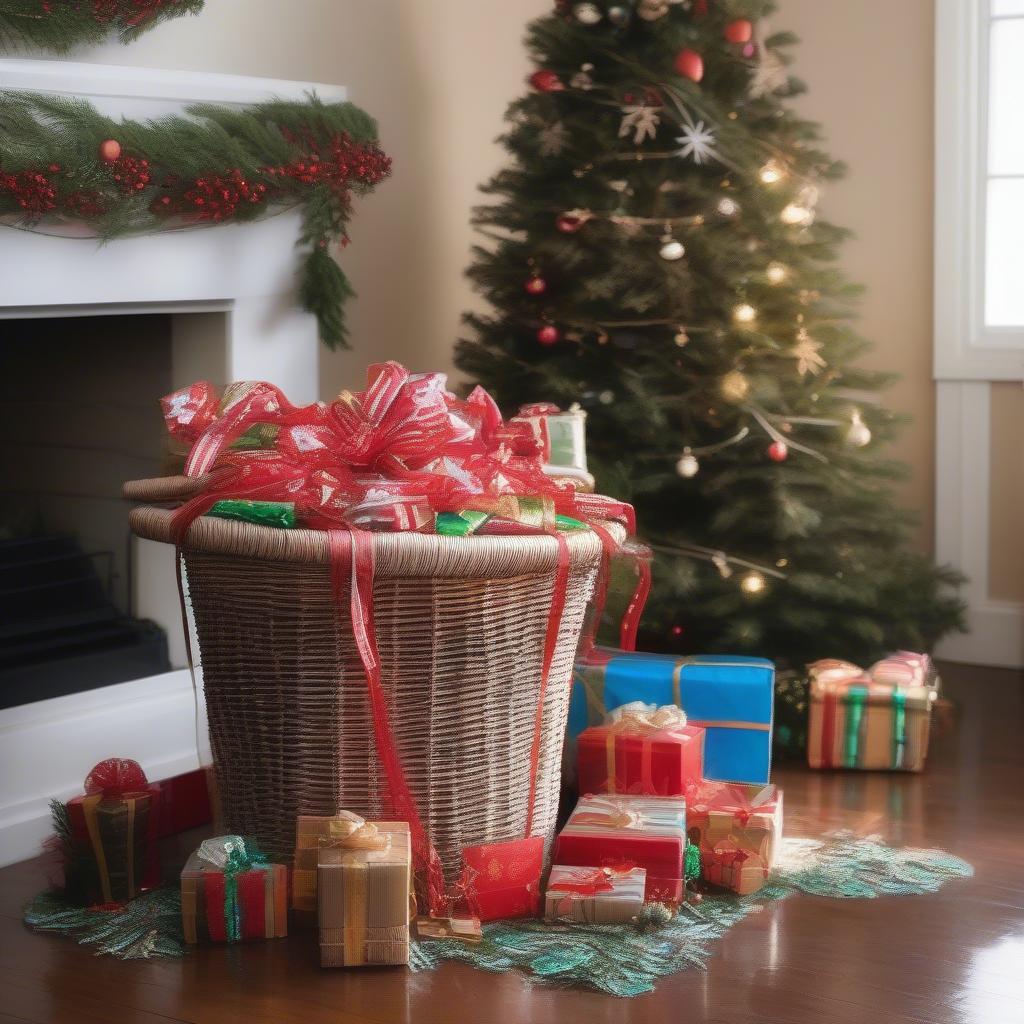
232 292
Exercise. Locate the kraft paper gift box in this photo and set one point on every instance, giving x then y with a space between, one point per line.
638 831
113 854
364 881
732 698
642 749
594 895
737 829
874 720
311 831
230 894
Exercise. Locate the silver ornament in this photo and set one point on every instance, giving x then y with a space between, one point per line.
859 433
618 16
672 250
587 14
688 466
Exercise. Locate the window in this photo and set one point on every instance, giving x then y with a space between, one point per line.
979 200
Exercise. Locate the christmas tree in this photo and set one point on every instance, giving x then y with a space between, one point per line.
654 254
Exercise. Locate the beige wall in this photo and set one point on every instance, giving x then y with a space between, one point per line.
438 75
1006 498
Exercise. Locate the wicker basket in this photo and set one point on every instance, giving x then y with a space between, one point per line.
460 627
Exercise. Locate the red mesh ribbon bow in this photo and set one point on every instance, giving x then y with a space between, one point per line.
115 777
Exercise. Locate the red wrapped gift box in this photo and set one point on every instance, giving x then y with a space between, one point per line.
113 853
503 879
641 831
642 750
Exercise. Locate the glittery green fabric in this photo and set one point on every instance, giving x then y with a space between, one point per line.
622 960
149 926
627 960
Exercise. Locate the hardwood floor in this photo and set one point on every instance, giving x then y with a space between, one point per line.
957 956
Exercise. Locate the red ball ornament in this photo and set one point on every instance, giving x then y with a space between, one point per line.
689 64
568 223
546 81
536 286
677 630
110 150
548 334
739 31
777 451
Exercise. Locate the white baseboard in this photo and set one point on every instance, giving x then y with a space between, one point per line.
995 637
47 748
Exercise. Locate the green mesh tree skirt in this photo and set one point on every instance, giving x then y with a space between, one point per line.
622 960
626 960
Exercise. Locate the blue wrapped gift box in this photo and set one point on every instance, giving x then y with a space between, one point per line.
731 697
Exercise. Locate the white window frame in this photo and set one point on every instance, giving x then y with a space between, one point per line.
965 347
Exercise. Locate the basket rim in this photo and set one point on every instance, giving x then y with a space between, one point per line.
396 554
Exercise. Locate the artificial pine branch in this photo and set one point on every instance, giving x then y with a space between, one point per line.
62 161
62 25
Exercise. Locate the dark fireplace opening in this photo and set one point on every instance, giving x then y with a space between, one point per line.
78 416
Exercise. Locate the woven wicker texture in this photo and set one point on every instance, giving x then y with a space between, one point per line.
460 628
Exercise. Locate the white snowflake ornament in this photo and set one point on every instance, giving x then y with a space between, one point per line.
697 142
553 139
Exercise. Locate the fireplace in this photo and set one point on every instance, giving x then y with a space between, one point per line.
90 337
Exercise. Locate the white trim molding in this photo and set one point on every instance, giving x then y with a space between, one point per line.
230 291
965 348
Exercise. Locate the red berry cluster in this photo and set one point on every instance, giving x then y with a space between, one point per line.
346 161
84 203
131 12
34 191
213 198
130 172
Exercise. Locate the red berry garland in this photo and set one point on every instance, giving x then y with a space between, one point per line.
33 191
218 197
131 173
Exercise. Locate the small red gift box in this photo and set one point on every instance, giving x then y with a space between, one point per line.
641 750
737 828
641 831
503 879
113 853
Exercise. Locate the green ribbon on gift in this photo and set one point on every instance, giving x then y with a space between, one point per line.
467 522
899 728
691 862
856 698
232 856
280 514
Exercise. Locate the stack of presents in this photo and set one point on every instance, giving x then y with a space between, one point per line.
670 757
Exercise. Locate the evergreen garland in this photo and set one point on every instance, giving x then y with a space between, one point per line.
63 163
60 25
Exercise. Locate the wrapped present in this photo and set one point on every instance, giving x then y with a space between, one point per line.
111 852
641 749
594 895
363 884
729 697
737 829
231 893
879 719
634 831
312 831
503 879
562 438
461 929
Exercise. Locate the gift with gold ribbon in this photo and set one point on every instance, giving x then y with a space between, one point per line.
363 884
731 698
111 853
639 831
737 829
877 719
641 749
594 895
231 893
